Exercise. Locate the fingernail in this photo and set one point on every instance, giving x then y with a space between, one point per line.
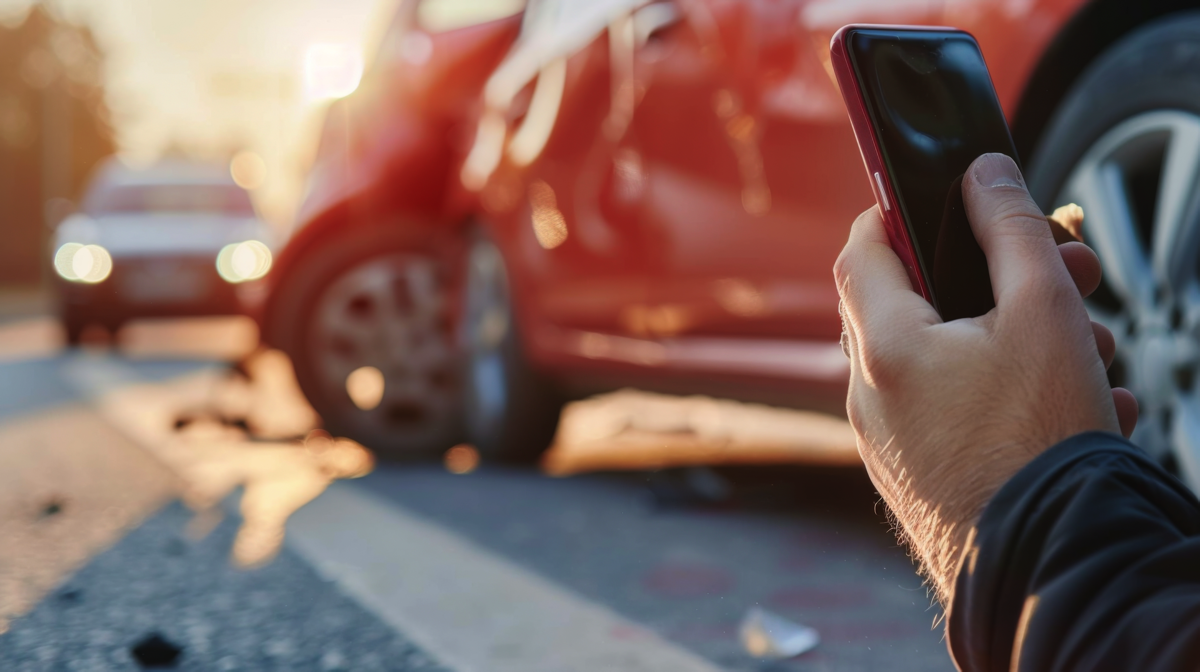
997 170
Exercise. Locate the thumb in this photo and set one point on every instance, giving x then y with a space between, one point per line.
1022 256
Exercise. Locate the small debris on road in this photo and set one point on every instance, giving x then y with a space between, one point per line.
635 430
52 508
768 635
156 653
214 452
70 596
688 487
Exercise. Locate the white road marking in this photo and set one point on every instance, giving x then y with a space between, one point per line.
71 485
277 477
466 606
469 608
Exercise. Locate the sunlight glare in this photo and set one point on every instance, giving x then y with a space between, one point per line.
240 262
331 70
248 170
365 385
83 263
462 459
439 16
549 224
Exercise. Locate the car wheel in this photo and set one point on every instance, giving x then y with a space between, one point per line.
1125 145
511 410
368 321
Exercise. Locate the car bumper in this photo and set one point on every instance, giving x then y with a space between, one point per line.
158 287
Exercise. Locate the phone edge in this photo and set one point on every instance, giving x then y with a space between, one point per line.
897 229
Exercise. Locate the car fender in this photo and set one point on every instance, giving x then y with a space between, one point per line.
390 150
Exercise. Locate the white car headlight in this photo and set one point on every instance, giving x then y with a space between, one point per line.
240 262
83 263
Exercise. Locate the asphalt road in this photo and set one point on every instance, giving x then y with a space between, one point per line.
409 568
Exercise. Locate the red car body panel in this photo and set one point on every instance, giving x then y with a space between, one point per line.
390 146
700 241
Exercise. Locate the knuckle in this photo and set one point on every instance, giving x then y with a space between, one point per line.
881 365
1062 294
852 248
1048 308
840 269
1054 292
1020 218
870 213
854 412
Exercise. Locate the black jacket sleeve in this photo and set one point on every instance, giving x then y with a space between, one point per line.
1087 559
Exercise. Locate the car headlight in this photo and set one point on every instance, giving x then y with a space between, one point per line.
83 263
240 262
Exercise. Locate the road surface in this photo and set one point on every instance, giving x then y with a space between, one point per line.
144 527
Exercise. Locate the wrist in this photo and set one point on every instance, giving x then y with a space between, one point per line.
937 505
937 530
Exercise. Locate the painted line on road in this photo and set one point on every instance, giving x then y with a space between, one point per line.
471 609
468 607
71 485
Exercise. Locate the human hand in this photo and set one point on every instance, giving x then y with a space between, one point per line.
945 413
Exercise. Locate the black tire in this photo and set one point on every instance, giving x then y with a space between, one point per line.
511 409
1106 147
1157 67
304 318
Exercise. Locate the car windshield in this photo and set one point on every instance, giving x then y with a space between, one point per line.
171 199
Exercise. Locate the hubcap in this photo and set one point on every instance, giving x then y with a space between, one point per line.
1138 189
391 314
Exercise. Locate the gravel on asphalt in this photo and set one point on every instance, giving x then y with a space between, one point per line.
157 587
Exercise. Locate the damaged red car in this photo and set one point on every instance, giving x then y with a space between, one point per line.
529 201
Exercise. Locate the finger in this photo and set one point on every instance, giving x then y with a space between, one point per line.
1020 249
1066 223
1105 343
1127 410
1083 265
877 297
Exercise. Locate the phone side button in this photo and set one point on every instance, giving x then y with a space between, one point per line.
883 199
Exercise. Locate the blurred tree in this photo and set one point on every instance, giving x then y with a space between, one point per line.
54 129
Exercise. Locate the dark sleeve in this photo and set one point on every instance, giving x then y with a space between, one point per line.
1087 559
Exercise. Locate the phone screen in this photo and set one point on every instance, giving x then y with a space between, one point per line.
934 110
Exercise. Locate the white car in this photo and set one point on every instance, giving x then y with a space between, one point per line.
175 239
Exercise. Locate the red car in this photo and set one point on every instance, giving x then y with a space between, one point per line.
598 193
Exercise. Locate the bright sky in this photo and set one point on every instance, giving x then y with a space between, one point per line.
218 76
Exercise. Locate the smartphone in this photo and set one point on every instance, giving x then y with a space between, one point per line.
923 108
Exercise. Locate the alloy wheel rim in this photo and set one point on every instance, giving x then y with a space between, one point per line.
1137 186
391 314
